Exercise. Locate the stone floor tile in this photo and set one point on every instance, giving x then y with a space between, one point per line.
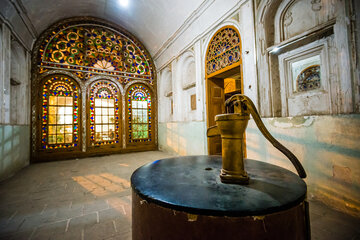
75 234
111 214
47 231
95 205
83 221
91 199
121 236
100 230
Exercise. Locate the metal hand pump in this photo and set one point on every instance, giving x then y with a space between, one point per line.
231 127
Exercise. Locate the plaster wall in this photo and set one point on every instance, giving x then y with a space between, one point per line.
190 46
183 138
14 104
328 148
15 19
14 149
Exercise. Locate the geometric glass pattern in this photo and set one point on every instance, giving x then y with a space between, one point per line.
104 113
308 79
88 50
60 103
139 110
224 50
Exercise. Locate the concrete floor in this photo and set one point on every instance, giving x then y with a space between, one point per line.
90 199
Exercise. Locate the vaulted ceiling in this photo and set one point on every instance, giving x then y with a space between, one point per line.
152 21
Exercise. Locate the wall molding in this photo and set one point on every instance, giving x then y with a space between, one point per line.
200 36
188 22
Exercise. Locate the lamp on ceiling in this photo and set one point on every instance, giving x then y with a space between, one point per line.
124 3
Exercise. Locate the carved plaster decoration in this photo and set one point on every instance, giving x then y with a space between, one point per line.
288 18
316 5
169 68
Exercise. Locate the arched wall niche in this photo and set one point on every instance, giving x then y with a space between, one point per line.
187 70
166 95
93 52
298 16
166 82
295 36
187 74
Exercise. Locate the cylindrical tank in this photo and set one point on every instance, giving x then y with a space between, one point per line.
184 198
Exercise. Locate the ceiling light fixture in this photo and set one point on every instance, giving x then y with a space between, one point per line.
124 3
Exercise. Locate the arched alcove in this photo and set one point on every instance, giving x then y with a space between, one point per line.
166 95
187 76
303 35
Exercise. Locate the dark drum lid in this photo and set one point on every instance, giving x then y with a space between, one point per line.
192 184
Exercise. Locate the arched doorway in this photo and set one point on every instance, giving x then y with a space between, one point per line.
223 68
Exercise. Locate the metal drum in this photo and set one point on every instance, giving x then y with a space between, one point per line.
184 198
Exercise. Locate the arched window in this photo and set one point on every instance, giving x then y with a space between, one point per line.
308 79
88 55
60 113
104 109
224 51
139 114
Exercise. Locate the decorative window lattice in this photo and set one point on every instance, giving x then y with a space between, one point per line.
104 113
60 118
224 50
139 111
308 79
89 50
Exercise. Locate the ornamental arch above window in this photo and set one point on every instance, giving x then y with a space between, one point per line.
224 50
99 59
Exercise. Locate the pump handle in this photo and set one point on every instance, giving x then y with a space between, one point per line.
247 106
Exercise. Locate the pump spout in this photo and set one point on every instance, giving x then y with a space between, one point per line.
213 131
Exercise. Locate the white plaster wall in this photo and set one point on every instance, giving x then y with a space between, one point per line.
14 149
164 95
192 44
20 94
204 22
14 105
328 148
183 138
5 63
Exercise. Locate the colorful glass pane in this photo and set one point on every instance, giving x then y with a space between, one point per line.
308 79
88 49
104 113
60 103
224 50
139 111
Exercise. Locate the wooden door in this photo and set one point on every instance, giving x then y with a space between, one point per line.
215 106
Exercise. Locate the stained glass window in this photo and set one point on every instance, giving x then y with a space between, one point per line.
77 51
139 111
60 101
308 79
88 50
224 50
104 113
